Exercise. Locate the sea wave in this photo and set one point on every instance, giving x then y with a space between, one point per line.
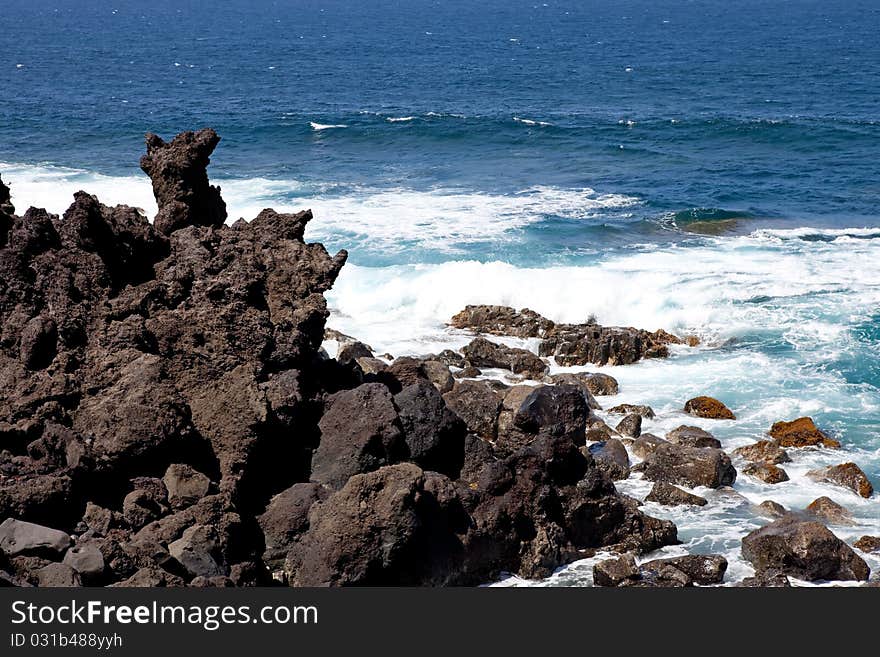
326 126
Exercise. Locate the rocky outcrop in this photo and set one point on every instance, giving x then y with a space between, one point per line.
804 549
164 399
669 495
827 510
672 572
868 544
569 344
482 353
692 437
802 432
611 457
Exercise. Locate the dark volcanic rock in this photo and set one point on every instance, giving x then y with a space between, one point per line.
581 382
478 405
613 572
180 181
502 320
627 409
360 432
286 517
630 426
669 495
483 353
558 410
766 580
700 568
17 537
689 466
434 434
868 544
645 445
612 459
803 549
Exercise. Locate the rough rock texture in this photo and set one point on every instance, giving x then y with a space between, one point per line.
612 458
645 445
569 344
692 437
868 544
827 510
763 451
689 466
700 568
708 407
848 475
627 409
771 509
804 549
613 572
766 472
583 383
802 432
630 426
178 170
483 353
164 397
597 384
669 495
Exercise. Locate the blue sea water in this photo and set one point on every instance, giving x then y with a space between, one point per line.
545 154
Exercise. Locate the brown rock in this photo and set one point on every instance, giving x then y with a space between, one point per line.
763 451
612 572
669 495
478 405
627 409
483 353
802 432
692 437
630 426
645 445
766 472
771 509
827 510
848 475
689 466
868 544
708 407
612 459
700 568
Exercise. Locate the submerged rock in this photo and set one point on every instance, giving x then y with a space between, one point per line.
766 472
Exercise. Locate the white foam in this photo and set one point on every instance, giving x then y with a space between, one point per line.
399 119
326 126
531 121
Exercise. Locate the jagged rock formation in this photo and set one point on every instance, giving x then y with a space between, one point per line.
164 401
569 344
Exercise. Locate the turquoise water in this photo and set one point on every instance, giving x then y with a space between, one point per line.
550 155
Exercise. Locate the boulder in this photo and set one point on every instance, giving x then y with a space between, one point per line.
150 577
630 426
763 451
804 549
353 351
765 580
581 382
434 434
700 568
613 572
801 432
88 561
185 485
502 320
469 372
600 384
612 459
439 375
692 437
868 544
286 517
669 495
627 409
645 444
708 407
483 353
766 472
478 405
827 510
689 466
198 551
18 537
847 475
558 410
58 575
360 432
771 509
655 574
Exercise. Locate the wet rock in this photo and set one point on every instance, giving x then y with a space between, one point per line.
87 561
804 549
848 475
644 445
766 472
18 537
692 437
700 568
613 572
612 458
630 426
286 517
178 170
689 466
582 344
478 405
827 510
669 495
771 509
708 407
627 409
483 353
802 432
434 434
763 451
360 432
58 575
197 551
185 485
868 544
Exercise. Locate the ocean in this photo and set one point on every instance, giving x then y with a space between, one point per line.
701 166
